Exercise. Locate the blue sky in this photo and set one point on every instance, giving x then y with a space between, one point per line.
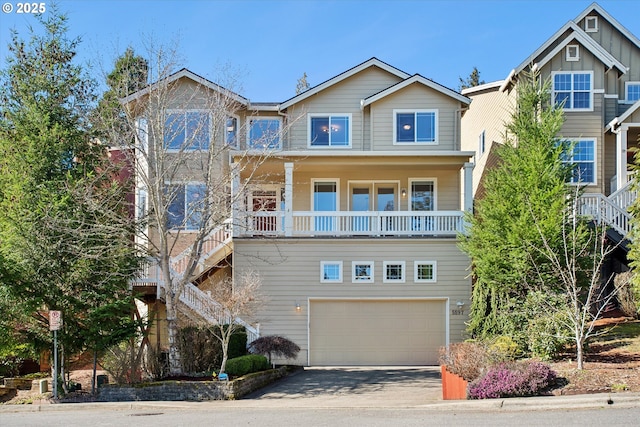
270 44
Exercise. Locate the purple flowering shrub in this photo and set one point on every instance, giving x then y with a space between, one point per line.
511 380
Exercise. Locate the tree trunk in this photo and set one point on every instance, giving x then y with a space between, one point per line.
93 374
579 355
225 355
175 365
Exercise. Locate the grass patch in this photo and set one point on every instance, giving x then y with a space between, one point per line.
623 336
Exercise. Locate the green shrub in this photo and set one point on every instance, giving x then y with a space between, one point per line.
246 364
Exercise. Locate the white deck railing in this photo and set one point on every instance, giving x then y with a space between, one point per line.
603 210
355 223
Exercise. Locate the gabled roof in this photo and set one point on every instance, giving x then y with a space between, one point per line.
618 26
342 76
189 75
624 116
416 78
579 35
487 86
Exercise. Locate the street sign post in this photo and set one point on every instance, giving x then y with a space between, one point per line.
55 323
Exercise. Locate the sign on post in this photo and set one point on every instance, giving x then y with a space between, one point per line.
55 320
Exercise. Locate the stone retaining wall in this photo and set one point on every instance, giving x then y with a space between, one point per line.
190 390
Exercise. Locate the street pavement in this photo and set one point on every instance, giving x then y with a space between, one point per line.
361 387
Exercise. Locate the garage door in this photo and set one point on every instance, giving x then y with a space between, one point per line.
376 332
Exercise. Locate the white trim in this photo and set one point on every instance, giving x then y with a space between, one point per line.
184 112
434 265
435 191
572 52
258 118
436 127
595 160
403 272
340 274
603 13
330 146
572 90
373 185
591 24
336 181
626 91
370 279
342 76
417 78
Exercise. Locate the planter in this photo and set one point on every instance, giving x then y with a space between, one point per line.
454 387
18 383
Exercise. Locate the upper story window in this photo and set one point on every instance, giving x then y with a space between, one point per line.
264 133
575 90
231 131
591 24
329 130
632 90
187 130
185 207
582 158
415 126
573 52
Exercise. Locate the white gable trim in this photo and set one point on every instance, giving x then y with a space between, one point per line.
619 120
190 75
611 19
340 77
416 79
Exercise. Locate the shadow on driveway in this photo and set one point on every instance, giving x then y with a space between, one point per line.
356 386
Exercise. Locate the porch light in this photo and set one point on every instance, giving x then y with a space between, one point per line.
403 192
460 304
298 308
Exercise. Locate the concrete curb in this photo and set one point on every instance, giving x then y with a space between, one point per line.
539 403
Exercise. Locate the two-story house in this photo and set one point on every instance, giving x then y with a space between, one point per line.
351 220
593 65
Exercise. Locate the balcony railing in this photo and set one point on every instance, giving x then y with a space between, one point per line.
353 223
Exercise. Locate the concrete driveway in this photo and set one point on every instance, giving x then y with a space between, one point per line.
364 387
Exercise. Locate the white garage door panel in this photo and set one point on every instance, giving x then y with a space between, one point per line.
376 332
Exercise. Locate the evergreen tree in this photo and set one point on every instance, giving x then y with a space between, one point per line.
529 185
471 81
63 221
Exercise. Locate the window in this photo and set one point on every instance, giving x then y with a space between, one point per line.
481 143
574 90
185 207
632 90
591 24
422 195
187 130
415 127
331 271
231 128
424 272
393 271
583 159
264 133
329 131
362 271
573 52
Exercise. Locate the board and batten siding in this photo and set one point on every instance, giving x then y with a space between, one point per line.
290 273
341 98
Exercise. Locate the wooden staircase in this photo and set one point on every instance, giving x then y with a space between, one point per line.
611 210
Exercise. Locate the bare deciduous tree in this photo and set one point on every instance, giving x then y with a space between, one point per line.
578 272
181 133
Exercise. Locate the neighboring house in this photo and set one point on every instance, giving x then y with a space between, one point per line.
351 220
593 64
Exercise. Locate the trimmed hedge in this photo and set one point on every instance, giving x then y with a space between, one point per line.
246 364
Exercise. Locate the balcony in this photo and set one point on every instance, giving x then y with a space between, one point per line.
350 224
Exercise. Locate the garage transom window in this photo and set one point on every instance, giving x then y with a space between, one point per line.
394 271
425 272
362 271
331 271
